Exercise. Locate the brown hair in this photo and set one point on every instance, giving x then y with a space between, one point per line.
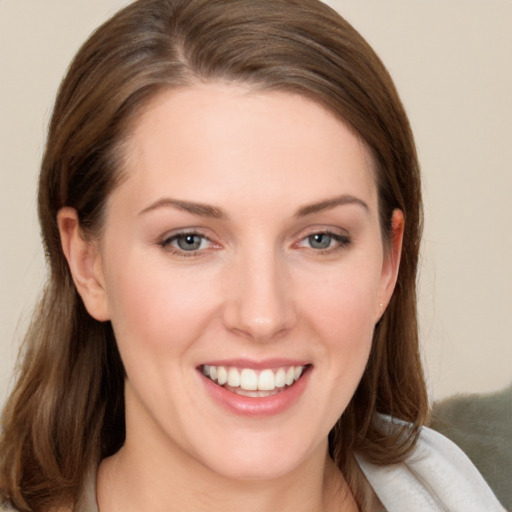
66 411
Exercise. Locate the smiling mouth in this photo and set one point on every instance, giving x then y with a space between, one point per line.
253 383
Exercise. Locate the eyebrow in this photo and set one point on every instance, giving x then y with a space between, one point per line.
327 204
206 210
200 209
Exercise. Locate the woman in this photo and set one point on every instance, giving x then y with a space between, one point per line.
230 206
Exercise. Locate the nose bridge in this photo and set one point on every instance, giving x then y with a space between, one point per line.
260 304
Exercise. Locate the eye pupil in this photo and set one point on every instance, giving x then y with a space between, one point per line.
189 242
320 241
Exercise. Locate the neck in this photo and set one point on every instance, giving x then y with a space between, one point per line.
151 472
135 480
126 486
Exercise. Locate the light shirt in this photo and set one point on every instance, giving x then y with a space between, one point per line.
436 477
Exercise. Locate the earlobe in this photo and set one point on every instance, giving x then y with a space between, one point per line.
84 263
391 261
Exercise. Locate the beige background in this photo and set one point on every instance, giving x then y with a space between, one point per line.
452 62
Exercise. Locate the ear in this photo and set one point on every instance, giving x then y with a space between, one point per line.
391 262
84 262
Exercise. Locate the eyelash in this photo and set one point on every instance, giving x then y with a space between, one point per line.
340 242
167 242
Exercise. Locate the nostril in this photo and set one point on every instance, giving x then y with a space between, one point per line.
259 302
243 320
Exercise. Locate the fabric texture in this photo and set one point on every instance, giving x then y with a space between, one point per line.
481 425
436 477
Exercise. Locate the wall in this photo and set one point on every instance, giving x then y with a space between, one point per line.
451 63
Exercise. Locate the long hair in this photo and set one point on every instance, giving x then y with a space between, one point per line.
66 411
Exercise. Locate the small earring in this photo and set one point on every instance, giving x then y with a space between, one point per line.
381 305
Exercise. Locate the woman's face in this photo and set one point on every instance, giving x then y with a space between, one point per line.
243 271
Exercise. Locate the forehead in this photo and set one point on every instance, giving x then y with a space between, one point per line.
218 139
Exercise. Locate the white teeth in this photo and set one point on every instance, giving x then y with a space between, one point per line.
257 394
289 376
248 380
255 383
266 381
222 375
233 378
280 379
297 372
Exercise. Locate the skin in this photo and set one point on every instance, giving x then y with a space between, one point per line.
257 288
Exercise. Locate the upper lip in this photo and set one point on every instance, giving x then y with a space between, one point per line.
257 364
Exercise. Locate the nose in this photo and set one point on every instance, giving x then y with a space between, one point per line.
260 302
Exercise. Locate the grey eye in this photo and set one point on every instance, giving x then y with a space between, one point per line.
320 241
189 242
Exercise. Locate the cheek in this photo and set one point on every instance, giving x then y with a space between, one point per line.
342 301
157 309
341 310
338 311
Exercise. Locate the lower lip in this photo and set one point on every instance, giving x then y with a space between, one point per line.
257 406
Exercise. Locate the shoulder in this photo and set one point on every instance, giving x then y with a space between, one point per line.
436 477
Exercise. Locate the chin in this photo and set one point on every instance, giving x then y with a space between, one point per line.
269 467
268 457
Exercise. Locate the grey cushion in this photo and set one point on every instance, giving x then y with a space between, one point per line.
481 425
